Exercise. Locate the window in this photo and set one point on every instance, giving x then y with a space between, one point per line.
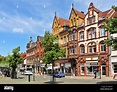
88 21
103 47
92 33
71 36
82 36
74 22
71 50
92 49
64 39
93 19
89 34
102 31
82 49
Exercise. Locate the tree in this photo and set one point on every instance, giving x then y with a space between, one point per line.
111 26
14 60
52 49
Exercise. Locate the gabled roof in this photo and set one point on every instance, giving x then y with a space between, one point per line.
61 21
105 14
80 14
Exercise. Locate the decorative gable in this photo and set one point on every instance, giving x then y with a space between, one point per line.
76 17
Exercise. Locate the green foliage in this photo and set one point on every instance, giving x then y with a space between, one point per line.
52 49
114 7
111 26
15 58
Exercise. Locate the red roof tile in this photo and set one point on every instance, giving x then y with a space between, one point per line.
62 21
80 14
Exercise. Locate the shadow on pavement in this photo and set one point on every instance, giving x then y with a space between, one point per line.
20 77
108 82
51 82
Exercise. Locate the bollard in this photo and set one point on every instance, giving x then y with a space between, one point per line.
28 77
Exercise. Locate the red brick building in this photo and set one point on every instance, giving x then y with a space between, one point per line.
34 51
86 47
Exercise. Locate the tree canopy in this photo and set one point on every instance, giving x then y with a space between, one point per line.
111 26
15 58
52 50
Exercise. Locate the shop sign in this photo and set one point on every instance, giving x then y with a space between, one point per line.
94 63
67 65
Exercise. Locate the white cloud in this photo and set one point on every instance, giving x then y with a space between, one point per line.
17 6
22 24
3 41
18 30
44 6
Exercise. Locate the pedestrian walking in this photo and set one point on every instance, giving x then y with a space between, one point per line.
95 73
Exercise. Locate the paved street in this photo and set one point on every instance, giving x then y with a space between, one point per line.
45 79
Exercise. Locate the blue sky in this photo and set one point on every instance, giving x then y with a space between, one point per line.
20 19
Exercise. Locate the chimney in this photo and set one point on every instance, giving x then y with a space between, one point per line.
30 39
82 12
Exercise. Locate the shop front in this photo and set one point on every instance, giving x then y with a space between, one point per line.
90 67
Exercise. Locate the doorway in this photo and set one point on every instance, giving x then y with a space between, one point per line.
103 70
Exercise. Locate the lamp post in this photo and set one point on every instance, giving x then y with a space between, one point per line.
100 65
33 71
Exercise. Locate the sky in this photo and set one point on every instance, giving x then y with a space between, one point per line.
22 19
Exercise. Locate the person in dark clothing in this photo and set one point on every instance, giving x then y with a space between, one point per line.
95 73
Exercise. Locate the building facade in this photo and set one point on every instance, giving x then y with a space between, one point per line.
76 18
34 51
85 46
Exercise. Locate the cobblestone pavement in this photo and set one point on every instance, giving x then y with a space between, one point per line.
45 79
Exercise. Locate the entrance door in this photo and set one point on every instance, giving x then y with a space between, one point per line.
103 70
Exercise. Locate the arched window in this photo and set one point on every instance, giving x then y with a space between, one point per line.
92 47
82 49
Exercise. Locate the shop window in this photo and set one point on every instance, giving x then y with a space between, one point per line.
115 68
